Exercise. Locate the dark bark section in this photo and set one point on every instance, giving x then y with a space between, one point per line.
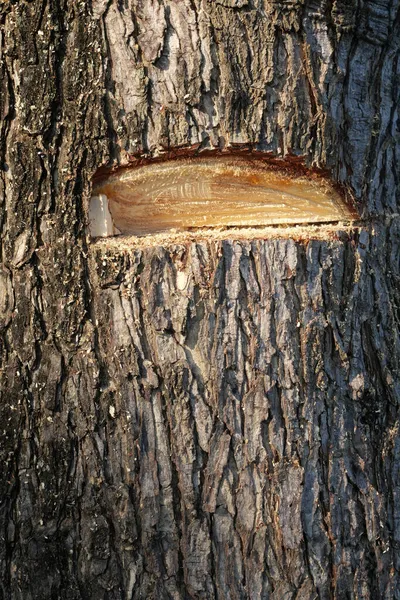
214 420
252 399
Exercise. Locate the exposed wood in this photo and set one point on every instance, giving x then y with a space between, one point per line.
220 191
214 418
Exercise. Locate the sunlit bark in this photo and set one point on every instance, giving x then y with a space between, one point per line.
208 419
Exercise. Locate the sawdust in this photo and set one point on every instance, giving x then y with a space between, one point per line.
300 233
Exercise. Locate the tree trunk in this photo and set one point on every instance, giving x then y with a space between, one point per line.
208 419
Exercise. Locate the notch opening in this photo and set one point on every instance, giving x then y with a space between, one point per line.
213 191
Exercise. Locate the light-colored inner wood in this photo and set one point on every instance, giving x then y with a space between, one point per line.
215 192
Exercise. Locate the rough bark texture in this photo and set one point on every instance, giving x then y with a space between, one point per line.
209 420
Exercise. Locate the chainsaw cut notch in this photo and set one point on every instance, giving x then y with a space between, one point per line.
213 191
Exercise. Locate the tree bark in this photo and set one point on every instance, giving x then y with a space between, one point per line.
211 419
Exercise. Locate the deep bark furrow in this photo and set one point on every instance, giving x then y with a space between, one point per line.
325 388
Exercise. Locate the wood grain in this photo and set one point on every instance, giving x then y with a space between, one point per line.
218 191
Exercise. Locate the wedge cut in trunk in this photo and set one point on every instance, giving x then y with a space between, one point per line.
214 192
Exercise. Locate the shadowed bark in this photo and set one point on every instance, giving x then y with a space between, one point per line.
208 419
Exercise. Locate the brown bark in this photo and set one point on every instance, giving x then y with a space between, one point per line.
210 419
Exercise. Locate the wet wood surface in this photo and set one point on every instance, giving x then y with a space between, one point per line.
218 191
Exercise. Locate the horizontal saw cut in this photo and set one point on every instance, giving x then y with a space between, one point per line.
221 191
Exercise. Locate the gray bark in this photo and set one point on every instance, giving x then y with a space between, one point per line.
231 432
